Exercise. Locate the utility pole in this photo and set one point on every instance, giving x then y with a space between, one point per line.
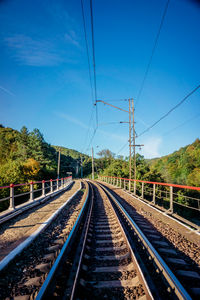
134 140
58 168
92 164
131 134
130 142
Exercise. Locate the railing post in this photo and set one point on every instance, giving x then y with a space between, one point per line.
134 191
124 184
120 183
43 187
51 185
171 200
117 181
129 185
154 194
62 183
12 197
57 183
31 191
142 190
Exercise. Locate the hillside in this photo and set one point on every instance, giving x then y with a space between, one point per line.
70 152
182 166
26 156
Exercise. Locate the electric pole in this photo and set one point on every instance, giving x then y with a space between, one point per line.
130 142
134 140
58 168
92 164
131 134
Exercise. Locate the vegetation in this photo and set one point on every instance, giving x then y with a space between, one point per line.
181 167
26 156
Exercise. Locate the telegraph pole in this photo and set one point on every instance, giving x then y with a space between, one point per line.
130 142
92 164
131 134
58 168
134 140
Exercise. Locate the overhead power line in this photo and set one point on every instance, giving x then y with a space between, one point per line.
122 148
94 90
152 52
95 130
172 109
87 48
94 62
182 124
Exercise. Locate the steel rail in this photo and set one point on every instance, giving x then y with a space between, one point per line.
83 245
21 208
44 289
174 283
140 272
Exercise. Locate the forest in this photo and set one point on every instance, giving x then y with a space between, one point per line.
26 156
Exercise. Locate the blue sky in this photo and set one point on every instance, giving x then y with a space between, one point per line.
44 81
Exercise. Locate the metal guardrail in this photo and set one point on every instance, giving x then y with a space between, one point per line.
171 197
41 188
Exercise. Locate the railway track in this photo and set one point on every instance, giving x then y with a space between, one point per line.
24 274
176 252
104 266
105 255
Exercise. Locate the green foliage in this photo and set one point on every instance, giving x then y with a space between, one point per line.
182 166
25 156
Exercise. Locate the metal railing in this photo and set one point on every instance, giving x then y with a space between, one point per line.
173 198
16 194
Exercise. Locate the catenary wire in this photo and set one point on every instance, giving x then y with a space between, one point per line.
152 52
182 124
172 109
87 49
94 132
94 61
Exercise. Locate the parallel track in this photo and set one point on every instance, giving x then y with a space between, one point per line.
107 256
105 263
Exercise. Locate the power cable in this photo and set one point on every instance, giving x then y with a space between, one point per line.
182 124
87 48
91 139
89 128
152 52
94 63
93 92
172 109
122 148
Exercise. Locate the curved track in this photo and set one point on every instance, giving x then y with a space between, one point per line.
106 255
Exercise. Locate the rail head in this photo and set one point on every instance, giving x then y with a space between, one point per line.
175 284
44 289
146 286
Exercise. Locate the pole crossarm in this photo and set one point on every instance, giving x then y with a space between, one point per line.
111 105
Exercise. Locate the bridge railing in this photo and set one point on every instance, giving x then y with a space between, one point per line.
173 198
13 195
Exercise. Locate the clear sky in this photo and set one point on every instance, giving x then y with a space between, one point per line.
44 81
